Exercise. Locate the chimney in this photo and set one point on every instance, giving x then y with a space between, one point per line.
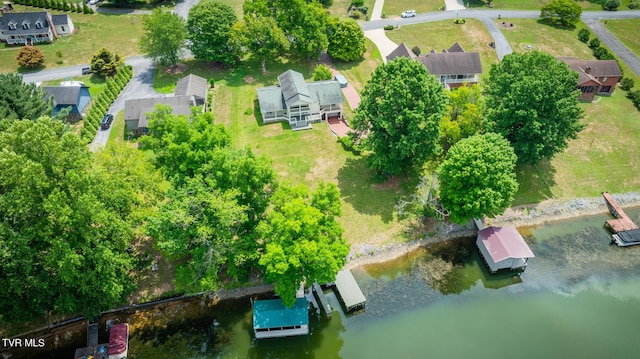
587 69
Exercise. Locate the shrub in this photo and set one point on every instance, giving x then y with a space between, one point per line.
349 145
594 43
627 83
633 5
30 57
584 35
601 53
356 14
416 50
611 5
212 82
248 111
357 3
634 96
322 72
460 21
383 16
388 27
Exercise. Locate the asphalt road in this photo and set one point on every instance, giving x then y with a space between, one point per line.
612 42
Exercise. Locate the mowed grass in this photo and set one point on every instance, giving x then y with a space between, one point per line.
626 31
339 8
393 8
119 33
530 4
309 156
472 36
358 73
530 34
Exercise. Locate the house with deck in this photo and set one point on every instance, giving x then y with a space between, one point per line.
300 103
272 319
76 95
30 28
594 76
503 248
453 67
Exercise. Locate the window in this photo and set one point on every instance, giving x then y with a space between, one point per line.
38 24
26 25
63 30
604 79
12 25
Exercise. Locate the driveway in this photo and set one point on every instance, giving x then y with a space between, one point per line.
612 42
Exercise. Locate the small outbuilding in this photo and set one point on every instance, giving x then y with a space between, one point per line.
503 248
273 319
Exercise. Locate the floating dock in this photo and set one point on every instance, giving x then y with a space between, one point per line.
349 291
624 231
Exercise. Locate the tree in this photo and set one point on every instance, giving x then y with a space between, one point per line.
477 177
465 115
208 30
105 63
303 240
401 109
164 36
532 101
322 72
30 57
261 36
66 222
561 12
22 101
611 5
347 41
416 50
584 35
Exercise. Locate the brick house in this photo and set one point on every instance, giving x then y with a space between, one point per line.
594 76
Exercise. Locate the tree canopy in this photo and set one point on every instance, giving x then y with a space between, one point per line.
303 240
105 63
22 101
532 100
465 115
164 36
30 57
347 41
66 221
477 177
322 72
400 112
261 36
208 30
561 12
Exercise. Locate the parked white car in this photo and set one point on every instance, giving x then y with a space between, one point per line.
408 13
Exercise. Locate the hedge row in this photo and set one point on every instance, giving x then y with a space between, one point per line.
60 5
103 101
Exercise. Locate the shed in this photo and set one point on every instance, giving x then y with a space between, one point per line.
349 291
503 248
273 319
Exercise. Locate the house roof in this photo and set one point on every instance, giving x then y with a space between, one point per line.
60 19
456 48
591 70
452 63
20 17
272 313
118 338
401 51
270 99
349 289
192 85
137 109
325 92
63 95
504 242
294 88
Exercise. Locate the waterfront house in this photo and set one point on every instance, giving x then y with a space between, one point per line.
503 248
273 319
594 76
298 102
453 67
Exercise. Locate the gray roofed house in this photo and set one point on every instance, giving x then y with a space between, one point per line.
298 102
26 28
195 86
453 67
76 97
63 24
594 76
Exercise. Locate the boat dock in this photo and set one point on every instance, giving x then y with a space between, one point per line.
322 300
349 291
625 231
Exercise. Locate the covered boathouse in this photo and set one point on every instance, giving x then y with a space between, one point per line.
349 291
503 248
273 319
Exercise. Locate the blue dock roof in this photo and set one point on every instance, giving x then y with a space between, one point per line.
272 313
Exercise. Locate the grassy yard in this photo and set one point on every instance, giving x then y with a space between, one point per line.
358 73
304 156
472 35
120 33
627 32
530 4
339 8
393 8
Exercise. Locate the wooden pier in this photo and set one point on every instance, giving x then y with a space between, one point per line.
323 303
625 231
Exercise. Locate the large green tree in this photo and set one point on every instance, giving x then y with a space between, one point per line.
303 240
260 36
208 28
164 36
346 41
400 113
67 221
20 101
532 100
562 12
105 63
465 115
477 177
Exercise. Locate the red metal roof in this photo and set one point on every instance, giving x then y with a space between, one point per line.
505 242
118 338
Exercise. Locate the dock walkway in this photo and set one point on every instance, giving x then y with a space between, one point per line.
625 231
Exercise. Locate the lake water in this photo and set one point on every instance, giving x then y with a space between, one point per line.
579 298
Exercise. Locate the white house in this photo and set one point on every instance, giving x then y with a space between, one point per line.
503 248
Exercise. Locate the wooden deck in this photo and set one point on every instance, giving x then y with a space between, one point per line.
622 223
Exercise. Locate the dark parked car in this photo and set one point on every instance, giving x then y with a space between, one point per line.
106 121
86 70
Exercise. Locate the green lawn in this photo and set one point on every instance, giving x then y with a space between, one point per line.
119 33
358 73
626 31
94 82
530 4
472 35
339 8
117 128
393 8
